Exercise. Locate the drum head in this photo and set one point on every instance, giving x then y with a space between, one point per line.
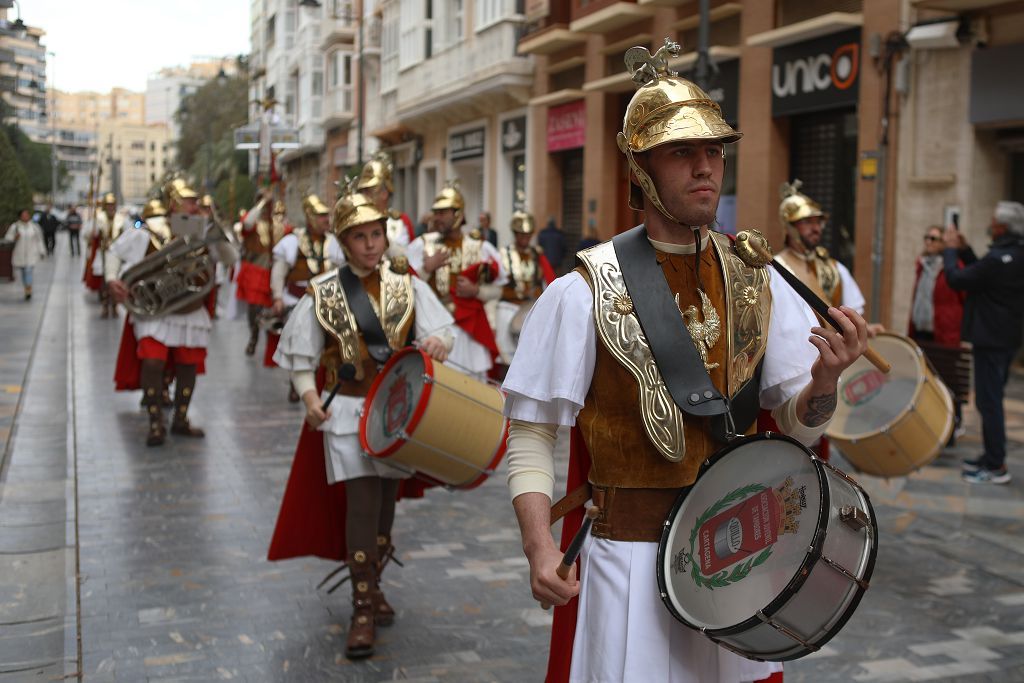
740 535
393 406
870 400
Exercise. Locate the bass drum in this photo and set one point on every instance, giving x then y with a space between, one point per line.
889 425
427 419
769 552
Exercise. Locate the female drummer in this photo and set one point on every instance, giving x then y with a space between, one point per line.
330 331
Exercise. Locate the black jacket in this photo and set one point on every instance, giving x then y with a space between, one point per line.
994 310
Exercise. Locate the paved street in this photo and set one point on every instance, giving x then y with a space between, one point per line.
169 544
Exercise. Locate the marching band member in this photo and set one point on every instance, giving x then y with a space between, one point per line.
375 183
528 274
151 344
108 225
587 358
263 227
298 257
465 272
333 328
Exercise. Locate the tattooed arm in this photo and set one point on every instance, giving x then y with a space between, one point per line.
817 409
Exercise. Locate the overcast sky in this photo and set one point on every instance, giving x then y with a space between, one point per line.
102 44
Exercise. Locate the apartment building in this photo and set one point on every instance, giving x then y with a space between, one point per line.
133 159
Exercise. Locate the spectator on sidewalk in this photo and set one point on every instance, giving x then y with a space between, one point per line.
486 231
589 237
29 247
993 322
937 310
49 224
73 222
552 241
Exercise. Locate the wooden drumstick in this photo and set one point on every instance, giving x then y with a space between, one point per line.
573 551
812 299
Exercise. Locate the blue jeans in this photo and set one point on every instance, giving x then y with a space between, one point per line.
991 371
26 275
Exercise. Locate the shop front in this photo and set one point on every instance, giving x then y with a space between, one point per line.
566 136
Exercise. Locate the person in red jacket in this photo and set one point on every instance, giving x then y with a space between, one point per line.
936 309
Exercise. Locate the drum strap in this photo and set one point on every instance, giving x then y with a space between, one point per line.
671 344
366 320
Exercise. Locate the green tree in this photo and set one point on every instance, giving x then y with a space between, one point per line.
209 116
15 192
34 157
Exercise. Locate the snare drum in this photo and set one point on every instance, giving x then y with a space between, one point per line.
891 424
769 552
426 418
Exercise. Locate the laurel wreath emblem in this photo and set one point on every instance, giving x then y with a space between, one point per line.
741 570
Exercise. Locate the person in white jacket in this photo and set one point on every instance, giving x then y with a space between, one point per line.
29 247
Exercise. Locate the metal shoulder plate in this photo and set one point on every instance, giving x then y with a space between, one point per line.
397 303
619 330
748 297
335 316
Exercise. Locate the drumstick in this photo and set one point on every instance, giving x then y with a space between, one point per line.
575 546
347 372
821 308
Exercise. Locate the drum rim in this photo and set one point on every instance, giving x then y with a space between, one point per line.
799 577
922 379
418 411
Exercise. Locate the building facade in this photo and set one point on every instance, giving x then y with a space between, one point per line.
133 159
23 77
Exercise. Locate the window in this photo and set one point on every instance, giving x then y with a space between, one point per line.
412 27
318 83
271 30
490 11
340 69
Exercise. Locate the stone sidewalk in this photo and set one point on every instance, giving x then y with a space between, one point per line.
171 542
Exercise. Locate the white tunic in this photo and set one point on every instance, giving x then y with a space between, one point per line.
302 342
624 632
103 227
852 296
176 329
398 237
287 250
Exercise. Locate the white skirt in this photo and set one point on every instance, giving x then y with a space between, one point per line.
504 314
624 632
190 330
468 355
343 455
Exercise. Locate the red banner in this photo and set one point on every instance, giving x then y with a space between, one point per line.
566 126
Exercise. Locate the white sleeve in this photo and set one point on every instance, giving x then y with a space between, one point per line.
130 246
278 275
553 366
302 339
491 252
287 249
432 318
786 417
531 458
789 355
415 254
852 296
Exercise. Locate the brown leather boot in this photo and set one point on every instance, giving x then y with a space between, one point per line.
361 631
383 612
151 380
185 382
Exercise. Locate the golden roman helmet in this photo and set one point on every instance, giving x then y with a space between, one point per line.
795 205
376 172
450 198
154 207
312 206
522 223
665 108
109 198
353 209
177 189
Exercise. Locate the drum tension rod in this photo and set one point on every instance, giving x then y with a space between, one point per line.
789 633
845 572
405 435
854 517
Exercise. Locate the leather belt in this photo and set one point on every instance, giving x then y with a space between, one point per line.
632 514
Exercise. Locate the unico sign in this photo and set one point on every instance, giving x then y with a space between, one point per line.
817 74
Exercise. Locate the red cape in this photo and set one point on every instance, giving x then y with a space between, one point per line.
409 229
268 355
92 282
546 270
470 314
252 284
563 629
311 520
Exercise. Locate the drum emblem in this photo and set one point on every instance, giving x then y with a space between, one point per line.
863 387
399 405
740 535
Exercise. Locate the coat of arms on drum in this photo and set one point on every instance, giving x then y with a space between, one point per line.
740 536
398 406
863 386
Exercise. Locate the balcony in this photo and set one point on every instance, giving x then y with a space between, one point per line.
611 16
338 107
483 74
371 37
549 40
341 29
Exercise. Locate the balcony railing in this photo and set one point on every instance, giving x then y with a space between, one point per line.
340 29
338 107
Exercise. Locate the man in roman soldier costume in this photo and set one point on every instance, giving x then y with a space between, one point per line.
465 271
350 320
375 183
528 274
153 343
299 256
263 227
107 227
657 350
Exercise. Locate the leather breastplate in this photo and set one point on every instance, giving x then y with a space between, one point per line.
524 275
741 296
311 259
461 255
819 272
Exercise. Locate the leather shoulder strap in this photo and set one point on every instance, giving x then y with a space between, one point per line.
366 320
671 344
